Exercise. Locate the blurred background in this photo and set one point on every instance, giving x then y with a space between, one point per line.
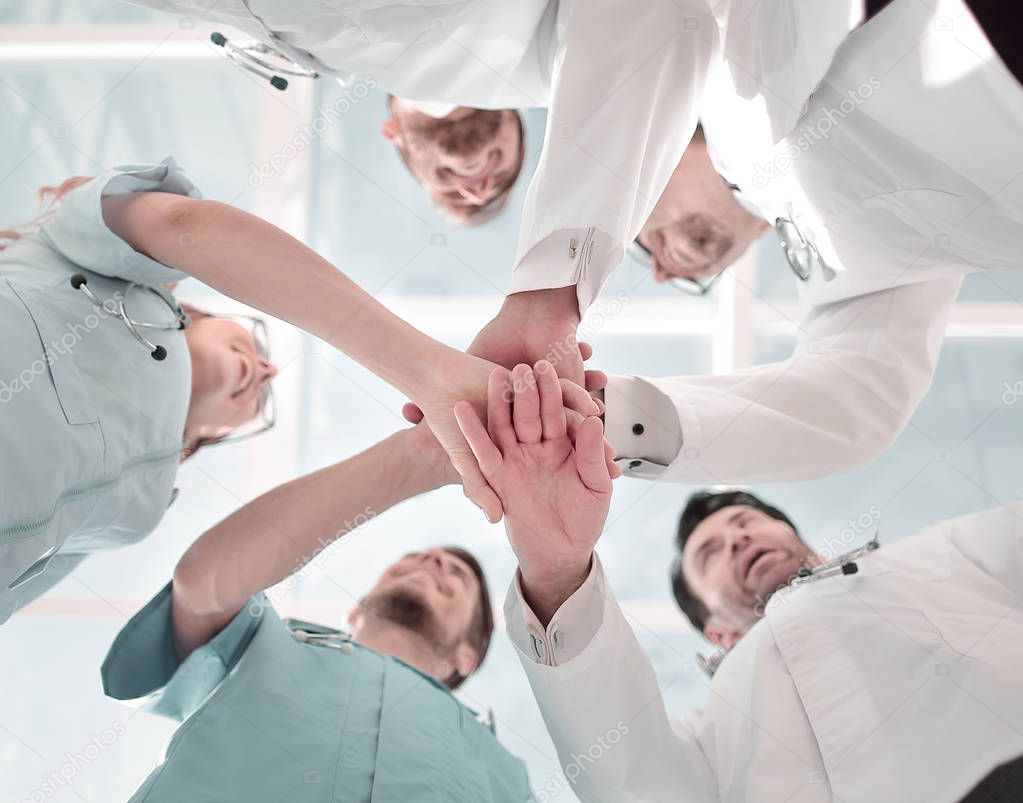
94 83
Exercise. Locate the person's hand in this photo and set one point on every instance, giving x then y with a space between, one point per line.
555 495
535 325
595 382
425 451
456 377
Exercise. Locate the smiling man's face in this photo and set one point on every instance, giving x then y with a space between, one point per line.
466 160
736 558
433 593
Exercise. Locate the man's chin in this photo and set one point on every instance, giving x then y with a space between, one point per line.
775 577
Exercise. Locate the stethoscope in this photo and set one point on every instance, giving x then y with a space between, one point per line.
117 309
320 636
254 59
842 565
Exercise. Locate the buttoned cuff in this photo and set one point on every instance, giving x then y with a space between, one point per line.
570 630
642 424
583 257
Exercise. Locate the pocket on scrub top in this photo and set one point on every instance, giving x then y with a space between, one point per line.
57 337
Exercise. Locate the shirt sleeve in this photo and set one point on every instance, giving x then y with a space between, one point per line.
860 368
993 541
554 644
624 104
607 693
641 423
78 232
142 665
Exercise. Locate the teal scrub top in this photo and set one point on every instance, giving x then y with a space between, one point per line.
266 717
91 425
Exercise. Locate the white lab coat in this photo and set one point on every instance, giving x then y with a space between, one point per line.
902 682
622 81
901 201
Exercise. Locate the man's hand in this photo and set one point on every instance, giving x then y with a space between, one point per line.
460 377
535 325
426 452
555 495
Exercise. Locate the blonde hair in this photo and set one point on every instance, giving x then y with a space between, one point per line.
49 200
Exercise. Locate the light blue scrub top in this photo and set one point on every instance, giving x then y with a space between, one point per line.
91 425
269 718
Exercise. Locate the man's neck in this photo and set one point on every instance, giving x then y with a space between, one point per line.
400 642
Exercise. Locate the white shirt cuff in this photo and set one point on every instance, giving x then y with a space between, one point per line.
583 257
570 630
642 424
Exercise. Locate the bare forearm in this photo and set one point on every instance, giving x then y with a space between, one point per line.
260 265
277 534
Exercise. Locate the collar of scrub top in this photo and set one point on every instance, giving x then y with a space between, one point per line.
842 565
118 308
336 639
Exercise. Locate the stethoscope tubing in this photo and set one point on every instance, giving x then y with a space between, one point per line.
157 352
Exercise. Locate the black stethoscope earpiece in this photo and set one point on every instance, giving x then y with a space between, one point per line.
253 58
157 352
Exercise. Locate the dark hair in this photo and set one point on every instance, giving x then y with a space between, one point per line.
481 628
701 505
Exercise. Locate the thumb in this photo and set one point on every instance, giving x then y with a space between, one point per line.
590 458
411 413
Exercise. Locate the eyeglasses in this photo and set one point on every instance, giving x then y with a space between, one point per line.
267 415
640 255
801 254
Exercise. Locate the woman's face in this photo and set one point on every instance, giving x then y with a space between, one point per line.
227 375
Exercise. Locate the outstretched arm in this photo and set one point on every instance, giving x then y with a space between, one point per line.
555 494
598 685
860 369
623 106
256 263
277 534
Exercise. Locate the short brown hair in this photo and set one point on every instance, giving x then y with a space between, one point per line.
481 628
